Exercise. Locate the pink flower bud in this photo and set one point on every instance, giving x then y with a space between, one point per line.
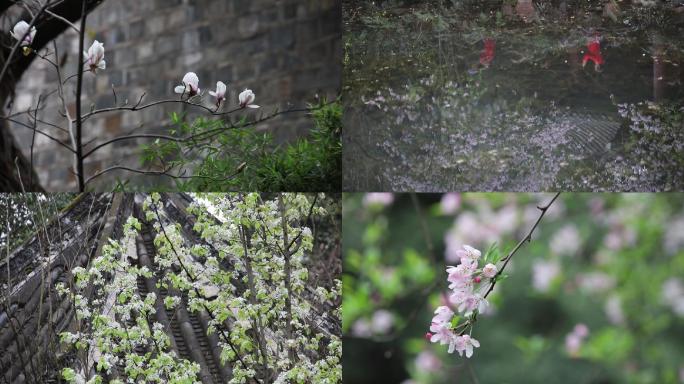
489 270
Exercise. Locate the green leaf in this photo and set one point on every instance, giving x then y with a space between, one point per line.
69 374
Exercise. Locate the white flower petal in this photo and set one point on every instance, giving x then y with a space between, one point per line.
192 80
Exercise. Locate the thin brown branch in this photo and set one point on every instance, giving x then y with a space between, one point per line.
201 135
524 240
79 90
528 237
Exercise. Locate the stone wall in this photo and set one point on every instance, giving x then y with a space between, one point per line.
287 51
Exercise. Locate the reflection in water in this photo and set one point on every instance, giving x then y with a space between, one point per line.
545 98
593 54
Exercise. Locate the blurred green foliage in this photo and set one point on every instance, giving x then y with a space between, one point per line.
609 248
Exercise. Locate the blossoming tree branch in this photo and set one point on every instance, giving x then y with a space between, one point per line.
91 61
470 284
244 268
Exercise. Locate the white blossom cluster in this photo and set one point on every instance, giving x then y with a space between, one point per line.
248 273
115 320
244 285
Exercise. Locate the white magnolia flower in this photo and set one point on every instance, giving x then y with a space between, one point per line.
220 93
20 31
190 85
489 270
95 57
246 98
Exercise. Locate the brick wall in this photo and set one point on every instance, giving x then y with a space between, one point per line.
286 51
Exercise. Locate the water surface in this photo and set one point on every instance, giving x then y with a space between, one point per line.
480 97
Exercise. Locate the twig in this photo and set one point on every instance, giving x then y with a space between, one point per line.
469 323
22 124
524 240
64 20
79 90
210 133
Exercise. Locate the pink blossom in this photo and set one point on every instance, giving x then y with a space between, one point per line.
464 298
378 198
428 362
573 344
361 328
674 236
581 330
485 227
673 295
468 253
442 315
382 321
465 344
595 281
613 309
619 237
489 270
566 241
543 274
441 334
575 339
450 203
460 276
459 296
473 302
